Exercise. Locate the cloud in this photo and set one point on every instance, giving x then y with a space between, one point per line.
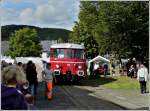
46 13
8 15
16 1
27 16
53 11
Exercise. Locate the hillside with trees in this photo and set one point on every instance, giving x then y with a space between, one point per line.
43 33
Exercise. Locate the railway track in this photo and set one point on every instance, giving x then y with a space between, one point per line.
79 105
72 97
87 100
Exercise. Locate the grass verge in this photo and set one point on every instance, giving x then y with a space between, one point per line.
122 82
118 82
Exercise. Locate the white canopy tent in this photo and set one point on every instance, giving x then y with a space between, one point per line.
98 59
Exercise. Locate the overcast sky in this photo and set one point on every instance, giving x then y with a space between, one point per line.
42 13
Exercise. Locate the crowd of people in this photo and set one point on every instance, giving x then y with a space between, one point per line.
140 72
19 85
98 69
134 70
20 82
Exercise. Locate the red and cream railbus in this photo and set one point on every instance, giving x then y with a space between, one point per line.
68 61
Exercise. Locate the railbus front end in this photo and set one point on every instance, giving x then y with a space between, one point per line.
68 61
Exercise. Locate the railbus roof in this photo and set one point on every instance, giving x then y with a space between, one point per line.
68 45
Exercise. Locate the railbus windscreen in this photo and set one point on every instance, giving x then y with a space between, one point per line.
69 53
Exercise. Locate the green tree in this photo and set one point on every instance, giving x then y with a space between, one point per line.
139 31
122 28
110 32
24 43
119 28
82 31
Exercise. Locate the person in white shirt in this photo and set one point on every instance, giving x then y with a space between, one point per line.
142 76
96 66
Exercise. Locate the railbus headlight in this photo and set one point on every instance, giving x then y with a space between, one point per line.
57 66
79 67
